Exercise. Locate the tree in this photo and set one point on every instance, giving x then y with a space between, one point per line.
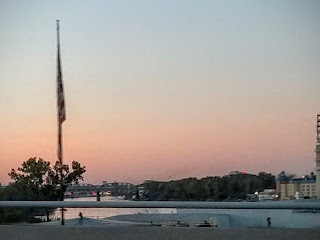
36 180
267 180
226 188
292 176
312 176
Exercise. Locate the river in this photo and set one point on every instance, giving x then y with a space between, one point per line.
71 213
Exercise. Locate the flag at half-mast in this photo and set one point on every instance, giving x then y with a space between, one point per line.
60 96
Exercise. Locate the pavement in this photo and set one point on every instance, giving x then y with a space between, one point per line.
120 232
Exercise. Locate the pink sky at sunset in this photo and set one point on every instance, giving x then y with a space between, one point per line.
162 90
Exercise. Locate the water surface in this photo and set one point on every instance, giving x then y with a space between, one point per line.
71 213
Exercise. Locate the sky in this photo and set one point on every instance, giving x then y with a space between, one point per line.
161 90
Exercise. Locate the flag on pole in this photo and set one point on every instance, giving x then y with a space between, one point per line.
60 96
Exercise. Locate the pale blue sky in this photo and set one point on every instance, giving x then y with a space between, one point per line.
158 73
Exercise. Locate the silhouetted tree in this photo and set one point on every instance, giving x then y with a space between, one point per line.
228 188
37 180
312 176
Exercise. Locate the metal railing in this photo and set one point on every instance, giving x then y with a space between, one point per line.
315 205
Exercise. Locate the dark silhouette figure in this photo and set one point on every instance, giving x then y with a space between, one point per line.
269 222
81 218
47 212
98 196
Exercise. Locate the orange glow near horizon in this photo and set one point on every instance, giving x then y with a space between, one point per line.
164 150
159 91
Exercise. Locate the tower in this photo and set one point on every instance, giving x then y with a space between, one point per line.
318 157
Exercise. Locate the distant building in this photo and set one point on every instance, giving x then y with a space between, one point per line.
281 179
236 172
295 188
267 194
298 187
117 186
308 188
299 195
106 188
233 173
317 188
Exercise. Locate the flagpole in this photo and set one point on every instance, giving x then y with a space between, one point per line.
61 116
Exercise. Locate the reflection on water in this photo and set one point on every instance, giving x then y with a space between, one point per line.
107 212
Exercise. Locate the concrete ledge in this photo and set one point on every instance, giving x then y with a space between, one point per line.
164 204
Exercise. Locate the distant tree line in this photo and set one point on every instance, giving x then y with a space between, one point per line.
226 188
36 180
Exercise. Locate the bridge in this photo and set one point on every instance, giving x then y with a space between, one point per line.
106 188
